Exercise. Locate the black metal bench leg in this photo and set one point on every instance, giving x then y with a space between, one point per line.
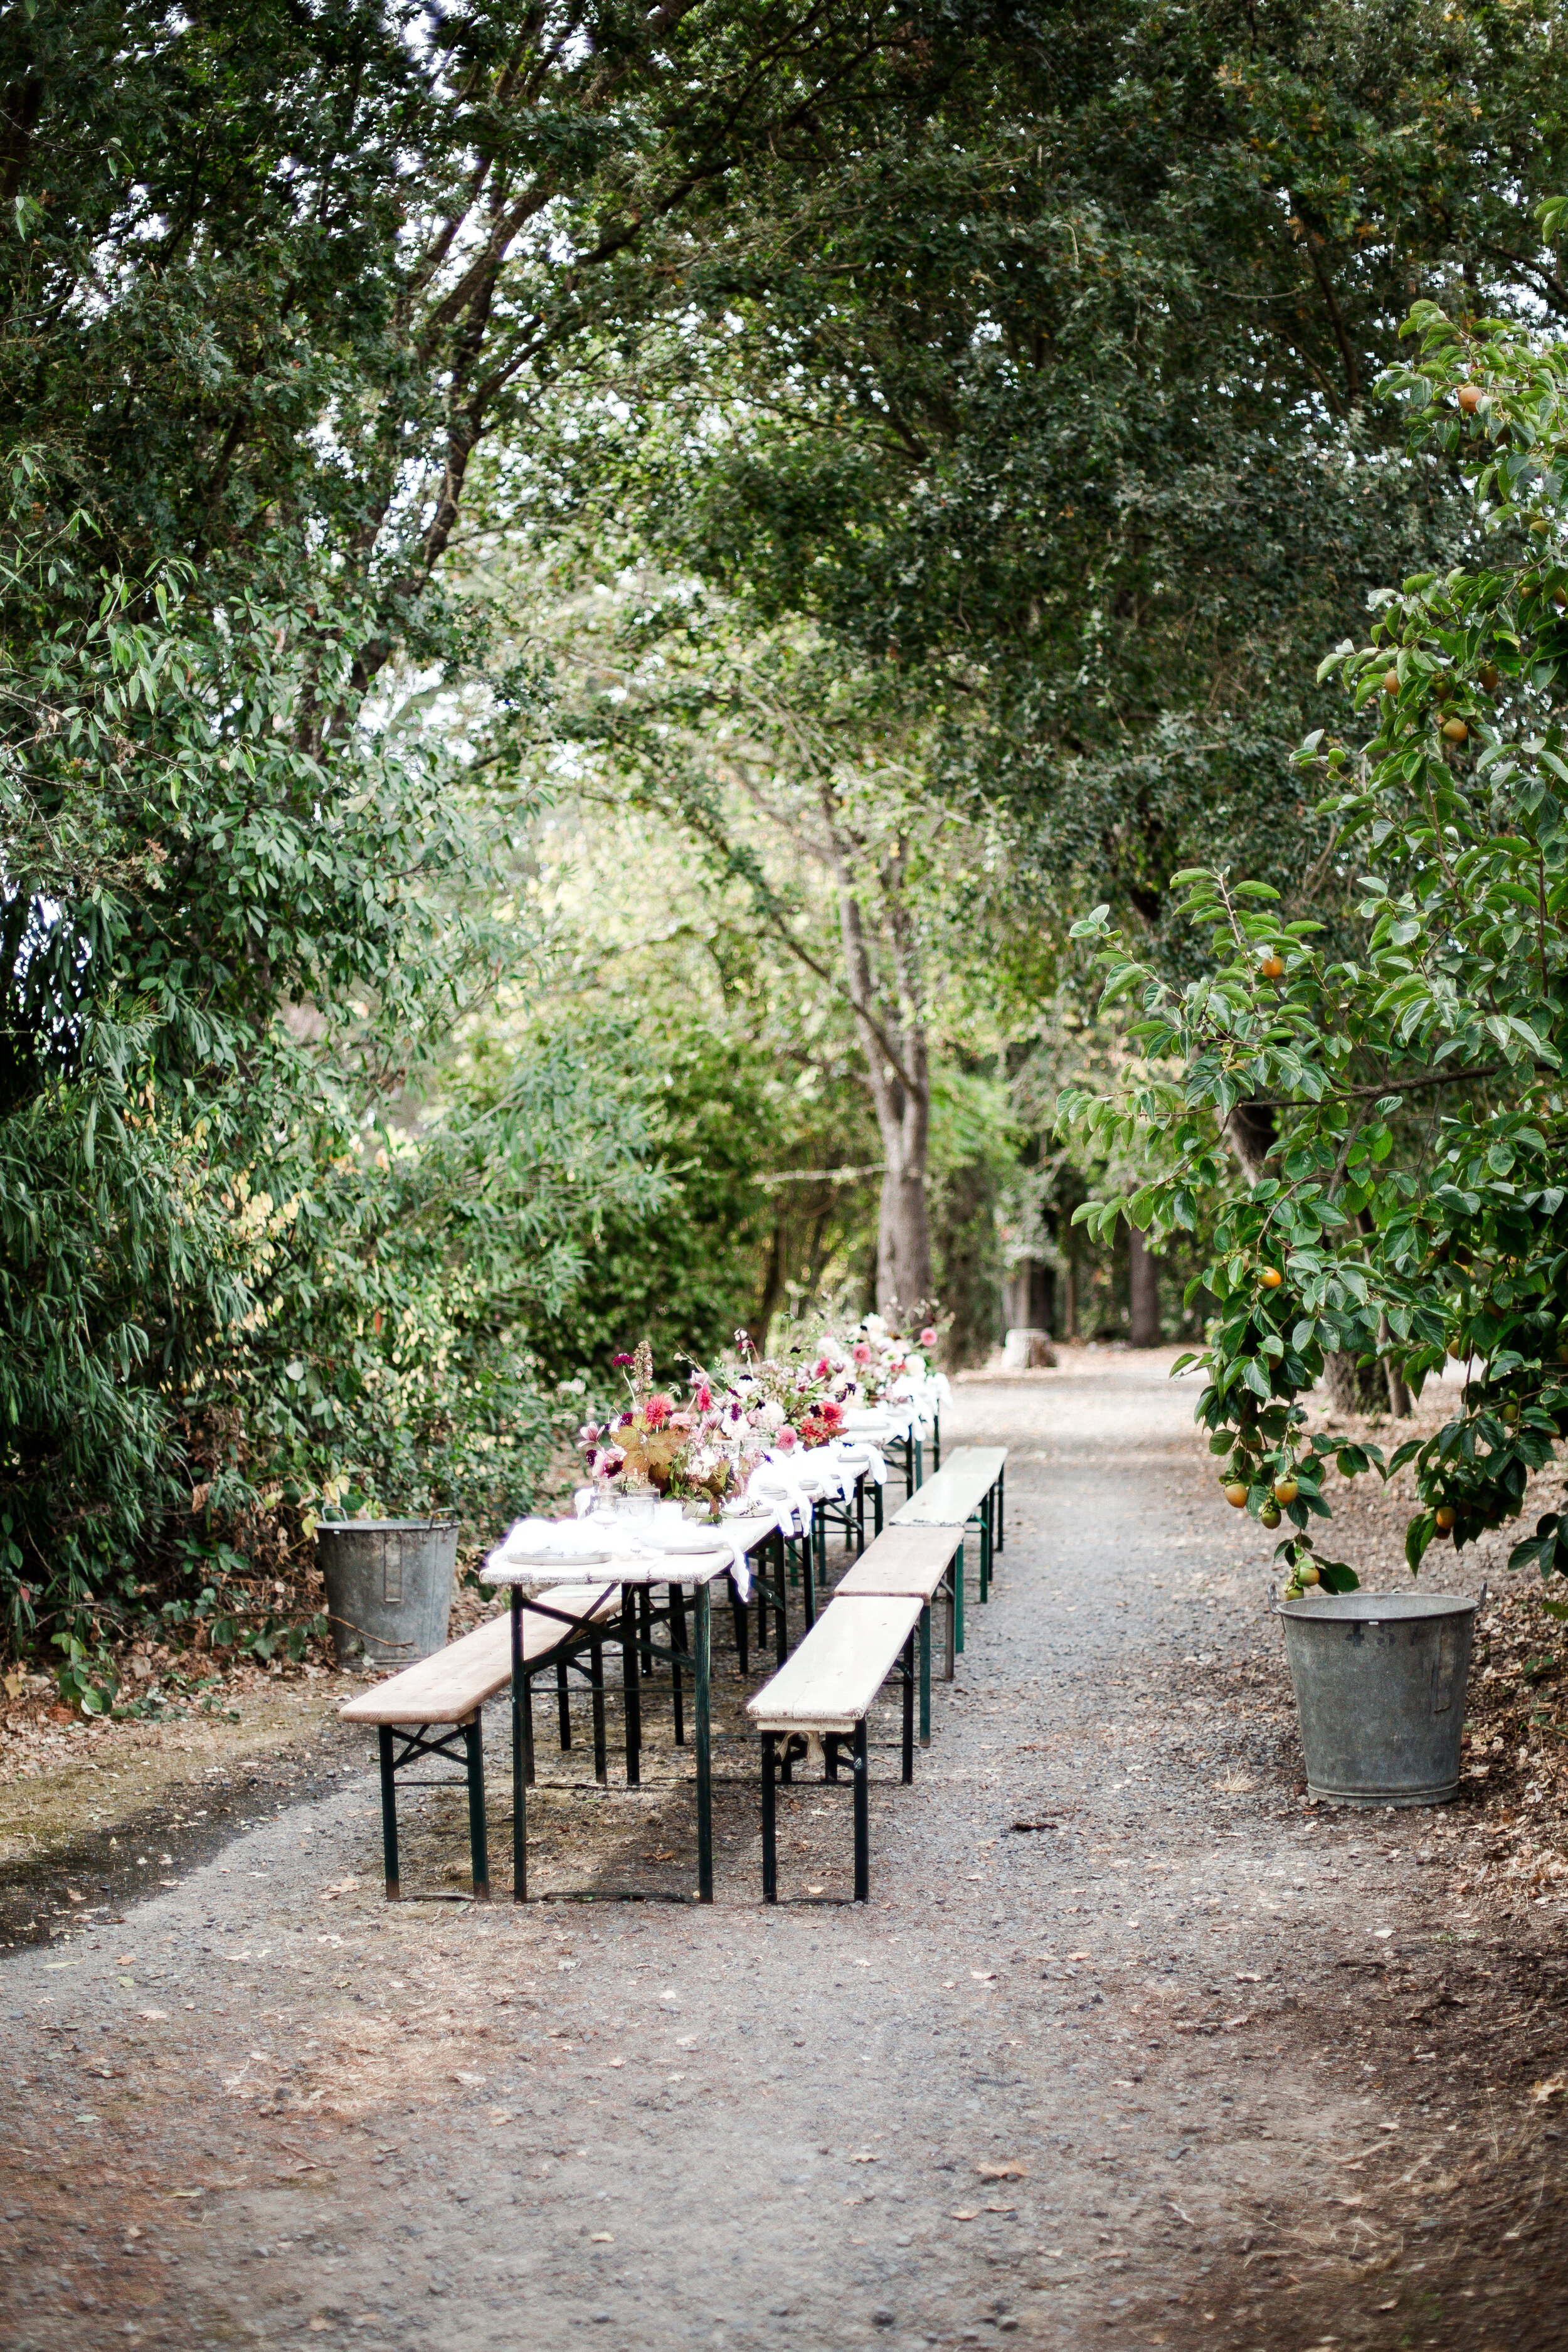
909 1710
596 1675
518 1801
925 1676
678 1645
645 1613
770 1822
474 1750
742 1629
1002 1509
565 1704
388 1810
702 1633
528 1772
815 1536
632 1696
859 1515
862 1816
830 1756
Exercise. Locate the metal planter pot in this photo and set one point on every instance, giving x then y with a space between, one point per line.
1380 1693
389 1586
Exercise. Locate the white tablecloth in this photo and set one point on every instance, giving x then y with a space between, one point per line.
636 1556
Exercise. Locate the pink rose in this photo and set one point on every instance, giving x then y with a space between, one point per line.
784 1441
861 1351
928 1336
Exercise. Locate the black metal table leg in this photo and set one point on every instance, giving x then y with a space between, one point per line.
518 1803
677 1649
704 1638
644 1611
770 1822
474 1756
629 1680
1002 1509
808 1562
388 1809
876 1507
596 1678
862 1816
565 1704
925 1676
909 1710
528 1772
743 1628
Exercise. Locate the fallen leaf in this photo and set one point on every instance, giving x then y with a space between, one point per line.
1244 2020
126 1960
1008 2168
614 2062
1549 2089
152 2015
497 2115
72 1896
329 1894
1248 1976
318 2323
1078 1956
984 1976
470 2081
966 2213
600 2238
814 1890
1001 2209
1392 2304
864 2158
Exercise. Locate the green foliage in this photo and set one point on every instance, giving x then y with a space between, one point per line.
683 1275
1413 1203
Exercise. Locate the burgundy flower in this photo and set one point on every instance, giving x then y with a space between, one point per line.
618 1360
831 1414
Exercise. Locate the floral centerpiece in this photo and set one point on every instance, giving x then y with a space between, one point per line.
879 1355
699 1448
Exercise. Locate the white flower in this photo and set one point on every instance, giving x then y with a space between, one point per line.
771 1416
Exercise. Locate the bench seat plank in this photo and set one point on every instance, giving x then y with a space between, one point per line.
447 1686
904 1561
832 1681
955 1492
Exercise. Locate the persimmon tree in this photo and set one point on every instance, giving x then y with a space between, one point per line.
1412 1198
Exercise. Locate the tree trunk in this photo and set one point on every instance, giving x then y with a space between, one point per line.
898 1074
773 1288
1143 1292
903 1240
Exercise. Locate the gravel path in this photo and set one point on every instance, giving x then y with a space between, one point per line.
1130 2048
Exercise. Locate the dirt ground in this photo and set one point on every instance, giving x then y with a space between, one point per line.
1131 2047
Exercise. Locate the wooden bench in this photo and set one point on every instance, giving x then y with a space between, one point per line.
829 1687
970 1488
451 1687
914 1563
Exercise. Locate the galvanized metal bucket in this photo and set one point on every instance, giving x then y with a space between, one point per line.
1380 1693
389 1586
